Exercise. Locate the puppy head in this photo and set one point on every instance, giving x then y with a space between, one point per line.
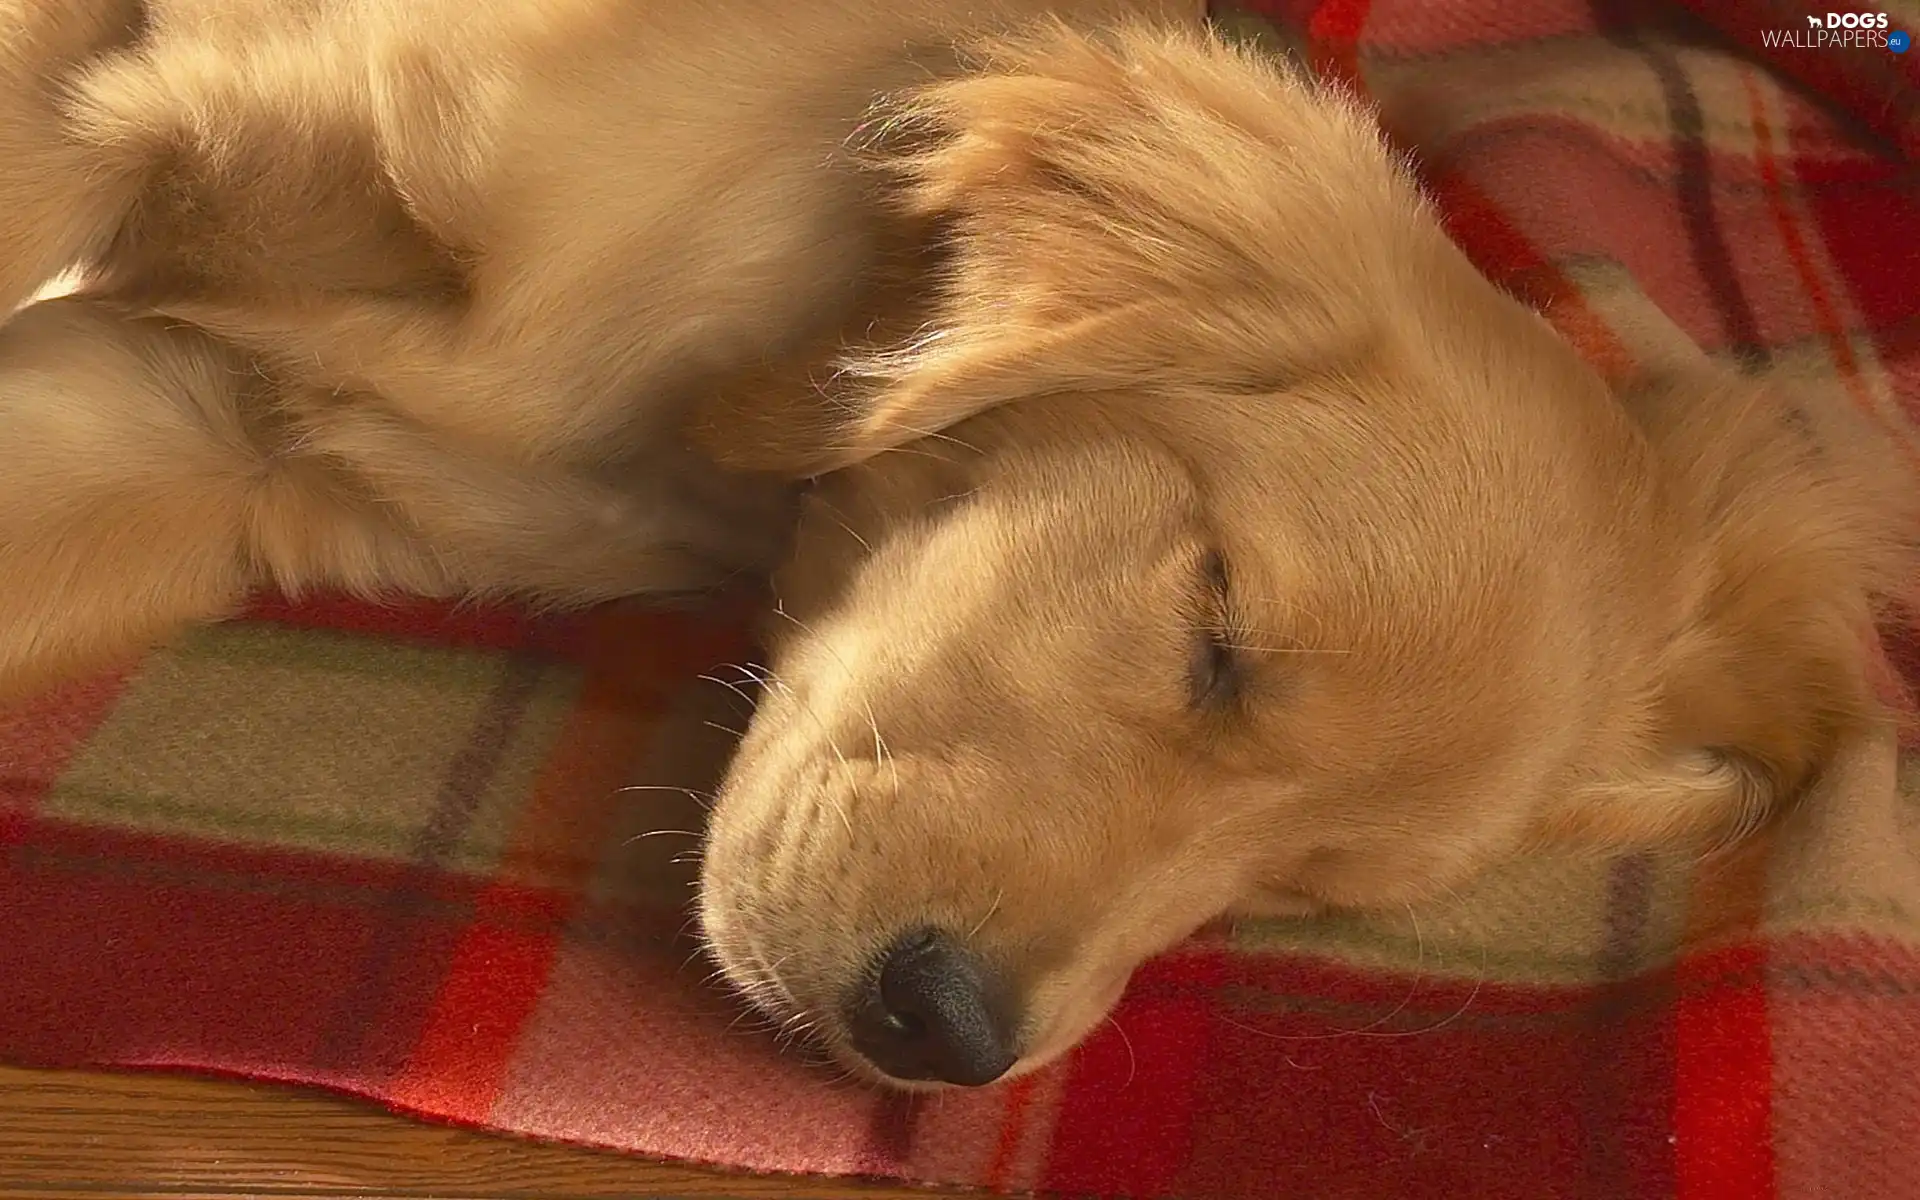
1227 545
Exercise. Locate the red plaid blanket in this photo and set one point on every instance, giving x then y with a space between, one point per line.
439 858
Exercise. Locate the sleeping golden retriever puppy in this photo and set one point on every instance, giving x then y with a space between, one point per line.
1192 531
1275 561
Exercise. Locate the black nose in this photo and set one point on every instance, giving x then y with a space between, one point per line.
934 1011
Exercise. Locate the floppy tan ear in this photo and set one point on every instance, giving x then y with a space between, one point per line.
1138 208
1801 529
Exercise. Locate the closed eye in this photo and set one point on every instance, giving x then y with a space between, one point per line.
1214 664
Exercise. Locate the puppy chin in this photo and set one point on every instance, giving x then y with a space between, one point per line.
1072 1025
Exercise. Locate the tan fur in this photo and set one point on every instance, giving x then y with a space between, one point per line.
416 294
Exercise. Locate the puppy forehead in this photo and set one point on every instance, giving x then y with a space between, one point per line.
991 564
1052 545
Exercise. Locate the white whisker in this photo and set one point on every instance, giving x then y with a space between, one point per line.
1133 1062
703 799
654 833
992 909
731 686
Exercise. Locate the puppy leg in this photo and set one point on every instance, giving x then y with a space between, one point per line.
666 525
59 199
139 490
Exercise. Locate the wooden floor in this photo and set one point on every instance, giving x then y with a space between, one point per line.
64 1136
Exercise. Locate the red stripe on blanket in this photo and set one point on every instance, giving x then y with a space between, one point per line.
1125 1124
575 636
1420 28
118 948
1013 1124
491 989
1425 1089
1722 1119
1334 32
441 623
1723 1092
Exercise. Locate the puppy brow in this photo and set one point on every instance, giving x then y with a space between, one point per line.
1213 599
1213 569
